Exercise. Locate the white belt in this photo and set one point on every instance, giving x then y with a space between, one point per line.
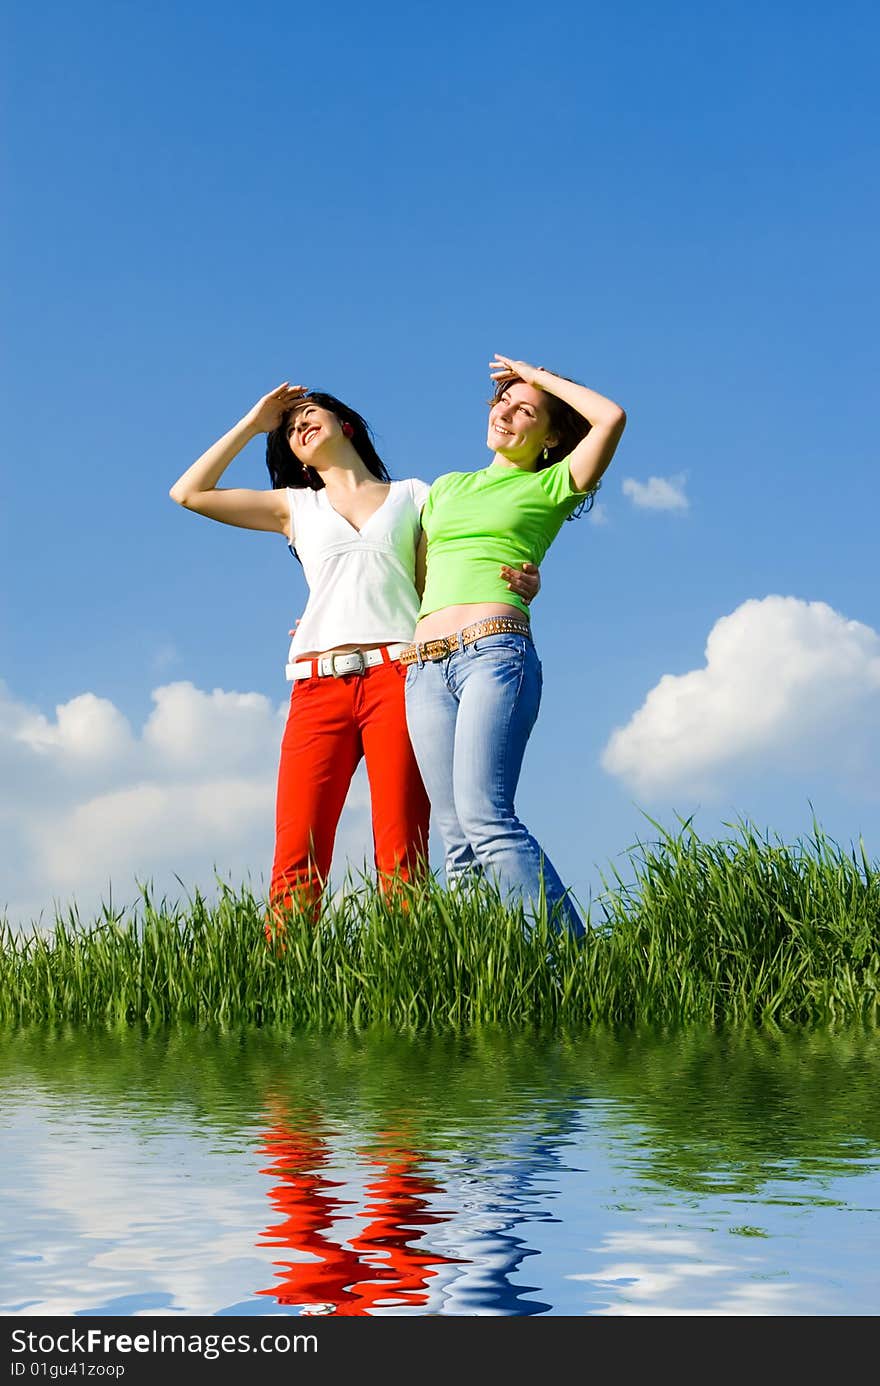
351 662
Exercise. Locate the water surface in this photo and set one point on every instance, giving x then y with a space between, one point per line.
183 1173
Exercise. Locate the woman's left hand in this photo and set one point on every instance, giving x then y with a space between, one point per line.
503 366
525 580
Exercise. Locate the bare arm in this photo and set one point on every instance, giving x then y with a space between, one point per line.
593 454
197 489
421 563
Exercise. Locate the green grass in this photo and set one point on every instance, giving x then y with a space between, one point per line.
747 929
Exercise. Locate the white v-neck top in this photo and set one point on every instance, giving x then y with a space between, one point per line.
361 582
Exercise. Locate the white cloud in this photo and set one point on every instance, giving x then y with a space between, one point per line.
149 824
598 513
189 728
86 729
165 657
788 685
658 492
96 807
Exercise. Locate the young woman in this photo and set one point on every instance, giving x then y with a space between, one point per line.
357 534
473 681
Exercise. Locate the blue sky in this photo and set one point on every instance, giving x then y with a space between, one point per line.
678 207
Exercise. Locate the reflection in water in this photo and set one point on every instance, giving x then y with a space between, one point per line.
695 1173
474 1249
500 1193
380 1266
659 1273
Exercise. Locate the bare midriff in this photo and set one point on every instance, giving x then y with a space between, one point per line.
450 619
345 649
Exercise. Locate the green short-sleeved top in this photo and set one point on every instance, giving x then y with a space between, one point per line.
475 521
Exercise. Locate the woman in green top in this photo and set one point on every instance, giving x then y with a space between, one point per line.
473 682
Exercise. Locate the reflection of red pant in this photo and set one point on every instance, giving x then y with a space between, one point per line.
349 1276
332 723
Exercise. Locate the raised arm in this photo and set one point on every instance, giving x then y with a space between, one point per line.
607 420
197 489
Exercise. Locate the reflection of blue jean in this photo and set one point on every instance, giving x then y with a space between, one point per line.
469 717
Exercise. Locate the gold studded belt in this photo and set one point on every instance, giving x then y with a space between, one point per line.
445 645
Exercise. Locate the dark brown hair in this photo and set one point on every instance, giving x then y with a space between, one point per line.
285 468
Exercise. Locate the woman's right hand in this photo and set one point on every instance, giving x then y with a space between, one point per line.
268 412
198 490
525 580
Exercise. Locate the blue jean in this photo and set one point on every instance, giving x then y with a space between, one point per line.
469 717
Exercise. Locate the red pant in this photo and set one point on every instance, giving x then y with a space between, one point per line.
331 724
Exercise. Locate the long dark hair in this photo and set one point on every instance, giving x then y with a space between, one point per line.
569 426
285 468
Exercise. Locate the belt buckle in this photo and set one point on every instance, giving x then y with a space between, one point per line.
436 649
359 668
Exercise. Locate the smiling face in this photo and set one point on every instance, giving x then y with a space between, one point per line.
519 424
309 428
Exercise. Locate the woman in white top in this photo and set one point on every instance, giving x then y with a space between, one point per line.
358 536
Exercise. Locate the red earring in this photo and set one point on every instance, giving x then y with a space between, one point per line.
347 430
